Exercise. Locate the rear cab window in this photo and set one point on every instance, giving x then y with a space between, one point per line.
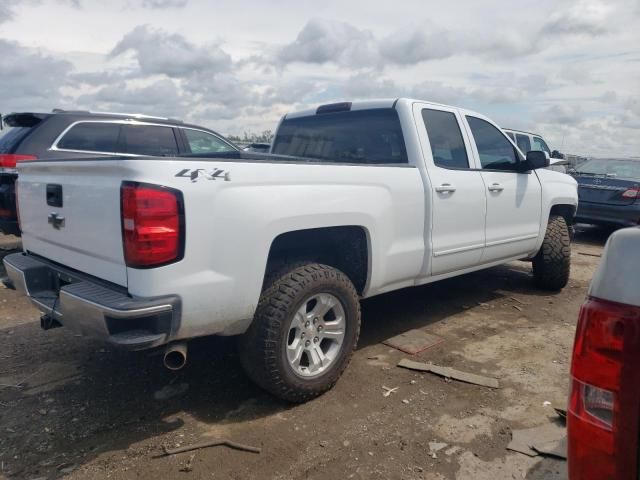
372 136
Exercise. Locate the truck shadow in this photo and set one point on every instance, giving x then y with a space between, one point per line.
421 306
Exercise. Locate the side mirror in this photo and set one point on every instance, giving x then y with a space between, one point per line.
557 154
535 159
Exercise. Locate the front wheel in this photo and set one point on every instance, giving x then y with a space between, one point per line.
552 263
303 333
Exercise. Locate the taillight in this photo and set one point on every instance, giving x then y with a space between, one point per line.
631 193
9 160
595 423
152 224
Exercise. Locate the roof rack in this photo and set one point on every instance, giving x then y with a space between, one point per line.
132 115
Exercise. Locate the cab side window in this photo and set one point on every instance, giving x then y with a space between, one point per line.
445 137
495 150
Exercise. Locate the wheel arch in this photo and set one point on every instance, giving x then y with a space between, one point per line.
345 247
565 210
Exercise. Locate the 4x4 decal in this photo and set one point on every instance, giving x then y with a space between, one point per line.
196 174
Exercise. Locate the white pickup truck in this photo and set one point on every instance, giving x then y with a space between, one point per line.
360 199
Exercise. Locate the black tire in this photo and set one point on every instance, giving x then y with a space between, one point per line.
552 263
263 346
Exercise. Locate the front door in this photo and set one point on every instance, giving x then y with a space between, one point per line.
513 199
457 214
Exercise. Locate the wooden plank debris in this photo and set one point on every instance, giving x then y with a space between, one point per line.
449 372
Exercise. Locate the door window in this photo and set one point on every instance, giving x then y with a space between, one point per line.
445 137
149 140
540 144
511 136
203 142
495 150
523 142
91 137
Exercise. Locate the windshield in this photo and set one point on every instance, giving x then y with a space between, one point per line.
611 168
362 136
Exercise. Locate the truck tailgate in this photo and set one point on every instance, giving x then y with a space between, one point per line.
70 214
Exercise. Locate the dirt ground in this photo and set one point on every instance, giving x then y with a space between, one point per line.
73 408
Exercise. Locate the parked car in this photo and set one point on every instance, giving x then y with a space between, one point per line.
609 191
79 134
366 198
527 141
604 405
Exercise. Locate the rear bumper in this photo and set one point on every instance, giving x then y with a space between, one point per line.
93 308
605 214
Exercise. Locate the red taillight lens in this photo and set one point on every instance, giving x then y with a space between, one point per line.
152 225
631 193
9 160
595 422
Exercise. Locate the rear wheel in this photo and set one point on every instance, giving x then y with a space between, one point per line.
552 263
304 331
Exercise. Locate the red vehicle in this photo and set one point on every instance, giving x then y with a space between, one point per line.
604 403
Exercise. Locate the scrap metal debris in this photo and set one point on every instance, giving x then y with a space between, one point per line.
448 372
546 439
388 391
562 413
413 341
211 443
557 449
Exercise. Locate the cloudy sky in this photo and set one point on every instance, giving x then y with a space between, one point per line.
567 69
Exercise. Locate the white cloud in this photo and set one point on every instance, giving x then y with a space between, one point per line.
567 69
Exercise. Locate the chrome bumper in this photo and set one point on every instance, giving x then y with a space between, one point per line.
97 310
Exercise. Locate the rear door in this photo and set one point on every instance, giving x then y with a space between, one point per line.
513 199
70 214
457 195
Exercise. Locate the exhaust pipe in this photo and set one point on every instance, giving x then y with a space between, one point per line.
175 356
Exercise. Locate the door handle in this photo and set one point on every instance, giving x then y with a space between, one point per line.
495 187
446 188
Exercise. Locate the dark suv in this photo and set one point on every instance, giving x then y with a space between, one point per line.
75 134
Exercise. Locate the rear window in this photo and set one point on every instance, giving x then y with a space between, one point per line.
362 136
10 137
15 128
91 137
149 140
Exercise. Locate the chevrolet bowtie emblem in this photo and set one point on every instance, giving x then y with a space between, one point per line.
56 220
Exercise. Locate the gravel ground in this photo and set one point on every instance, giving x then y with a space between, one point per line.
73 408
